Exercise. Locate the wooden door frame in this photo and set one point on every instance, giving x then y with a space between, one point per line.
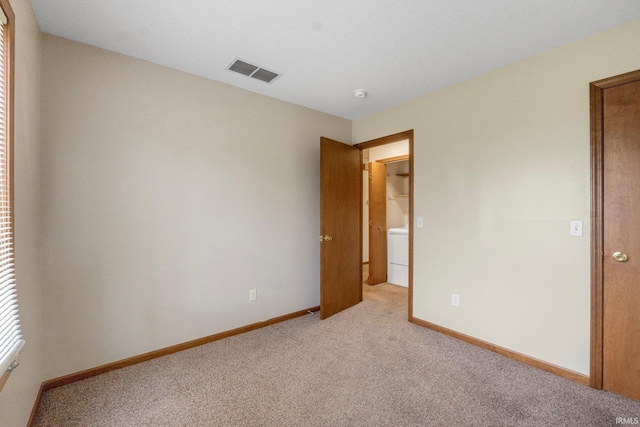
596 90
401 136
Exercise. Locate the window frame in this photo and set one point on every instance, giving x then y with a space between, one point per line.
9 49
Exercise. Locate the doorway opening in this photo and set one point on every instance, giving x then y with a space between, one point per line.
388 212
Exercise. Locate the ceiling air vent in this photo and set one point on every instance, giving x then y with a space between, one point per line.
253 71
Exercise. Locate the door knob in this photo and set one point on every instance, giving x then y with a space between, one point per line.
620 256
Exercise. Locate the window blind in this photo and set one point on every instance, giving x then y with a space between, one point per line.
10 335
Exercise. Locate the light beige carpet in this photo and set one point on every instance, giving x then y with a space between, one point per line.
366 366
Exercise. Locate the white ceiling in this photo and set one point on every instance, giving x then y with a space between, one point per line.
326 49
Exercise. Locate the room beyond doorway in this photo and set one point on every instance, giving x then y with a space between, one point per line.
388 204
384 293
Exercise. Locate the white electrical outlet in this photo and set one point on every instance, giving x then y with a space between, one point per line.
455 300
253 295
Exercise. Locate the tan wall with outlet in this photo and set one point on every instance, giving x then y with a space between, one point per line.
501 167
167 198
18 396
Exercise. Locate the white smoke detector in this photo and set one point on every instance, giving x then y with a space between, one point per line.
360 93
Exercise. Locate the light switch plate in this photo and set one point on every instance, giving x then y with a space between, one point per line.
419 222
575 228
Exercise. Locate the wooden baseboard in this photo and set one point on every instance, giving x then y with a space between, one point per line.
536 363
67 379
32 417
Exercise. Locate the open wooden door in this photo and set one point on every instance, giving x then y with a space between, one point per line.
621 232
377 223
340 227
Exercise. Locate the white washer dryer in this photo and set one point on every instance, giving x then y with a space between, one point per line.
398 256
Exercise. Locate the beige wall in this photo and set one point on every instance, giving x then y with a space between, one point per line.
501 167
395 149
167 197
18 396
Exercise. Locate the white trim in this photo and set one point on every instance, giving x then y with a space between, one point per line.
11 357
